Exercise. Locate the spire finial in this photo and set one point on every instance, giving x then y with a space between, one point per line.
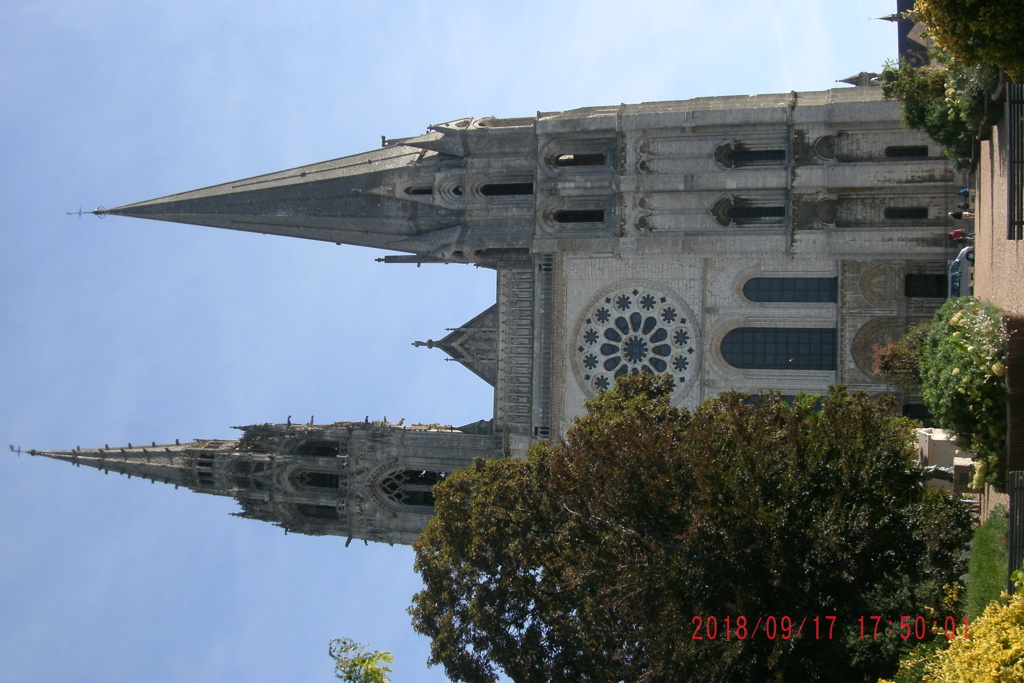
99 211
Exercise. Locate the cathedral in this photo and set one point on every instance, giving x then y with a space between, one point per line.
750 243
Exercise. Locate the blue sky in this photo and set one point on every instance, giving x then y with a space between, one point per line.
119 330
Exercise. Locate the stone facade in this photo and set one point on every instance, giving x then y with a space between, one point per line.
760 243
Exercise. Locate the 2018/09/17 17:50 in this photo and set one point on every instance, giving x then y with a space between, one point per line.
785 627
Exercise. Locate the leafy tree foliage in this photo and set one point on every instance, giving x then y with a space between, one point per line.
963 383
977 31
589 560
947 101
354 664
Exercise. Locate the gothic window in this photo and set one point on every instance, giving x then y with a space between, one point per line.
737 155
735 211
740 214
204 469
791 289
570 160
780 348
896 213
907 152
318 511
319 480
411 487
319 448
506 189
579 216
925 285
243 471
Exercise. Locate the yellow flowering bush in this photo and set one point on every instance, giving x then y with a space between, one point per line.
992 651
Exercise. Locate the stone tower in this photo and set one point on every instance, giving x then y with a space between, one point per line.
737 243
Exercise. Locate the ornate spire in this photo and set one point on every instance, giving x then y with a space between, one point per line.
369 480
169 463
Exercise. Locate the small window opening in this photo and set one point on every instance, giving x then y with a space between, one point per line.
579 216
419 190
506 189
457 190
756 212
924 286
318 448
906 212
318 511
751 156
320 480
566 160
907 152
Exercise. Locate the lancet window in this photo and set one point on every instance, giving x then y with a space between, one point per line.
411 487
791 289
780 348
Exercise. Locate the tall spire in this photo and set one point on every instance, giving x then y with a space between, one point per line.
351 200
369 480
417 195
166 463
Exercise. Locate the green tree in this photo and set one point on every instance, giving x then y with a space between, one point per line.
977 32
602 558
946 101
354 664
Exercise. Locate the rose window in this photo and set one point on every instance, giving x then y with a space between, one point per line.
636 329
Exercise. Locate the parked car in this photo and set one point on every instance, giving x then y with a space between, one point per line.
960 273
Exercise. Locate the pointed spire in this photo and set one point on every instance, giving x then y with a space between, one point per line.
169 464
338 201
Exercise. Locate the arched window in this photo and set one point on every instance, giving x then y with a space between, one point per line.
791 289
412 487
898 213
738 211
753 213
569 160
907 152
318 448
317 511
318 480
925 285
781 348
419 190
738 155
506 189
579 216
